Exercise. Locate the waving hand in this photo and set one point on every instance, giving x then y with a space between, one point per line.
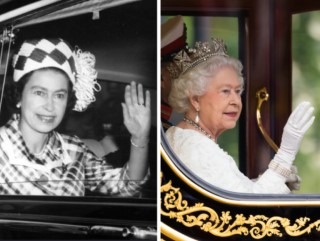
137 113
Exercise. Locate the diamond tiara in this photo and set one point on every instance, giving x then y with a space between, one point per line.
189 58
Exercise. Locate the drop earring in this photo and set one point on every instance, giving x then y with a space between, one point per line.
197 117
18 105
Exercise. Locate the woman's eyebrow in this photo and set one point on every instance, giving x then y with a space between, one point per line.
61 90
45 89
38 87
230 86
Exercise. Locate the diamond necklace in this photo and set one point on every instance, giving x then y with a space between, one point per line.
191 122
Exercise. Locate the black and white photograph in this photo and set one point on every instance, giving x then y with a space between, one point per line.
78 120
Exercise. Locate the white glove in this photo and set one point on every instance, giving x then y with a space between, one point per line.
298 123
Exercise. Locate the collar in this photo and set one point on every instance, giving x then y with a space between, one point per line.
53 155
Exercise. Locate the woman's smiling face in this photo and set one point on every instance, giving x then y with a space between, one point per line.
221 105
43 101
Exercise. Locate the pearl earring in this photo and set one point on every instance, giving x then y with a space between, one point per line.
197 117
18 105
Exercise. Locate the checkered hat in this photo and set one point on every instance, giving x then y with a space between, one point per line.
78 65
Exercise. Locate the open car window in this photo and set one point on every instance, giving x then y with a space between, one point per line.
124 52
122 36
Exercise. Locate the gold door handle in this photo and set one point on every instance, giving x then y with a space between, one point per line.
262 96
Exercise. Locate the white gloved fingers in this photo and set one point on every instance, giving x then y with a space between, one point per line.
295 114
298 123
299 112
301 119
308 124
307 114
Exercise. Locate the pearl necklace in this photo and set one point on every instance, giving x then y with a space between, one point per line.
191 122
39 154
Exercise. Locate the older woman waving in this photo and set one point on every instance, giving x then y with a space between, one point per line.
208 93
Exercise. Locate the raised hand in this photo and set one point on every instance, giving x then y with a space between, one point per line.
137 113
298 123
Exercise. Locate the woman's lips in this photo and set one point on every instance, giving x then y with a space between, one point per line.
231 114
46 118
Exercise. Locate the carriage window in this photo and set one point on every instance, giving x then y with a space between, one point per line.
305 86
203 28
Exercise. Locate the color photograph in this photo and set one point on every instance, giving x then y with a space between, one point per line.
239 120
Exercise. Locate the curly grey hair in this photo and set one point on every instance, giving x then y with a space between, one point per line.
196 81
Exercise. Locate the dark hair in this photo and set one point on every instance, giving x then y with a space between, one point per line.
14 90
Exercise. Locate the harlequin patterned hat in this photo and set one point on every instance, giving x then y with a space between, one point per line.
78 65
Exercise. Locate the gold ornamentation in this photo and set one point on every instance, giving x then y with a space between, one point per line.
226 224
262 96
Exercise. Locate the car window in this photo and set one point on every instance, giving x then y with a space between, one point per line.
124 51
